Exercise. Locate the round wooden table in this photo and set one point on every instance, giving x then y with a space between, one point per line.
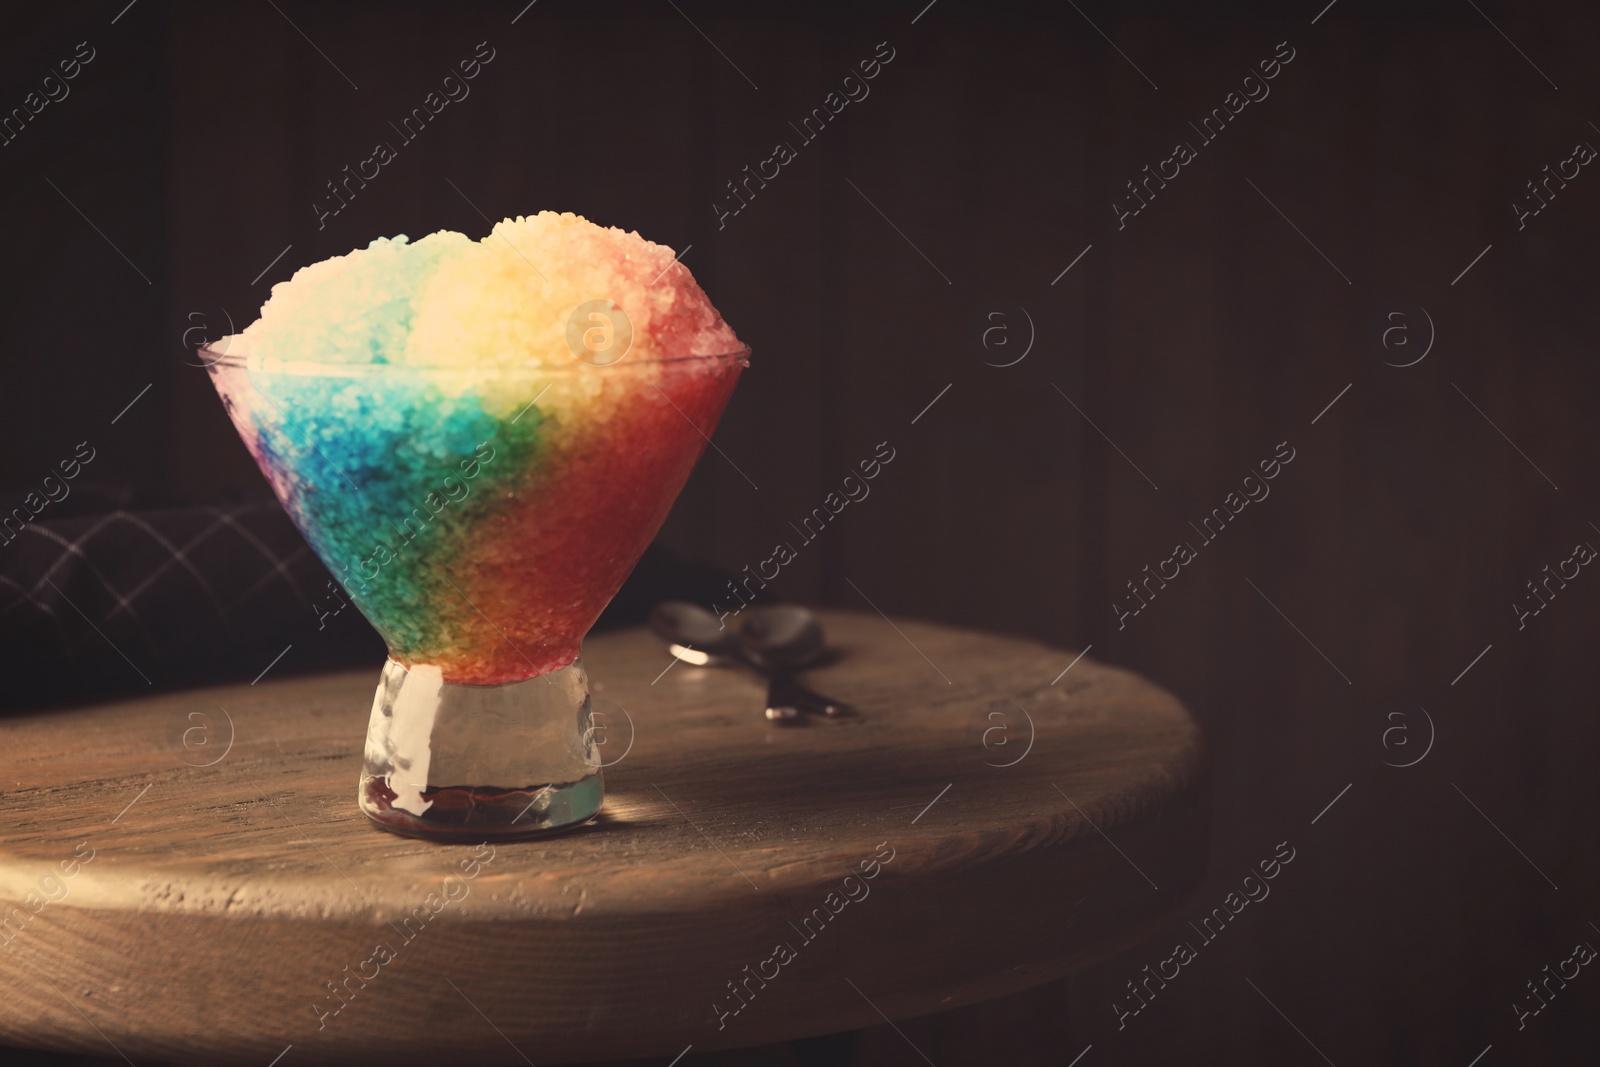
185 877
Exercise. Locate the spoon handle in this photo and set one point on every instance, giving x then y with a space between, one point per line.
784 692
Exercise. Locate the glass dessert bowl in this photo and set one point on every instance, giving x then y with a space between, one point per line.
481 517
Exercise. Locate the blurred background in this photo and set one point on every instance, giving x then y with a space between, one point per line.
1073 360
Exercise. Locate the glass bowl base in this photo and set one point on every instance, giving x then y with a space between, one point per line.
452 762
485 813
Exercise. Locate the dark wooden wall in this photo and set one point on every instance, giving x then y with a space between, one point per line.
1218 323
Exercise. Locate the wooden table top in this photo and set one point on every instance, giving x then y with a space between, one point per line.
186 876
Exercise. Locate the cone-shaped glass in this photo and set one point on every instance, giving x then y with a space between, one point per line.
481 519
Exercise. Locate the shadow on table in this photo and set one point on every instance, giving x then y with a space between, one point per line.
835 1050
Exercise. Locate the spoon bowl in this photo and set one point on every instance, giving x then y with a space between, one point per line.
689 626
782 635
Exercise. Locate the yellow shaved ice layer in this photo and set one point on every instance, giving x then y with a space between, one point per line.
507 300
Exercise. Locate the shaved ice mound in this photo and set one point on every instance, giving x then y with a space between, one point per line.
480 437
501 303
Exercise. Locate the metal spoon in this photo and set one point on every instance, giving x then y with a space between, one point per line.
697 636
786 637
773 642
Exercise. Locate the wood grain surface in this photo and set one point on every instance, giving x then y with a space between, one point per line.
183 876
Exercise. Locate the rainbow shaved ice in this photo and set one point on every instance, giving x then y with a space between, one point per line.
480 437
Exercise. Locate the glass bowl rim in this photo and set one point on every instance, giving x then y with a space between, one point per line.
212 358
